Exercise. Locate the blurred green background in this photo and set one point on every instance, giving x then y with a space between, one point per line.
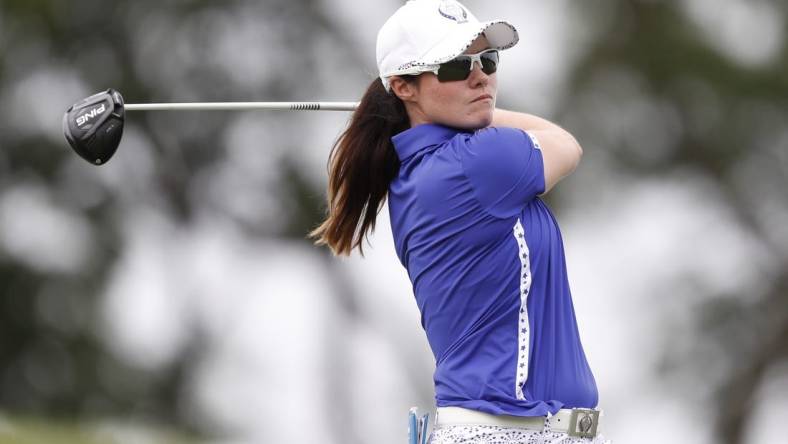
171 295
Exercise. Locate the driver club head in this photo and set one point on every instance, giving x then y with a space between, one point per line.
94 125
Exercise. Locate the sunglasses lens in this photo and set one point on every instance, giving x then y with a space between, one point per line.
489 62
454 70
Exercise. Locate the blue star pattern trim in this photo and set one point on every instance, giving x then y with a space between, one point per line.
523 336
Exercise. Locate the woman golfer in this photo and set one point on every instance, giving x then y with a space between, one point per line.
482 250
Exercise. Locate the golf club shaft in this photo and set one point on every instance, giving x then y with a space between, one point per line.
217 106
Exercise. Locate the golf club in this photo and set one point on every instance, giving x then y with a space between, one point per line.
94 125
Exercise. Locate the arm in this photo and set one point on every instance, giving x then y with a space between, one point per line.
560 151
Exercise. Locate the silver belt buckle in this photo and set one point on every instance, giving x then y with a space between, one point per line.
583 423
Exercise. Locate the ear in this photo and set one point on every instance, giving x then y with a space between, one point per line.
406 91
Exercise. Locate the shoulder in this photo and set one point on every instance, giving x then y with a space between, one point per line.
497 148
504 168
499 138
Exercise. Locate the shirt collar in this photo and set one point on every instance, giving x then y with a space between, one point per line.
413 140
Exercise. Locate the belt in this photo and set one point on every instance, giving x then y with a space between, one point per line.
581 423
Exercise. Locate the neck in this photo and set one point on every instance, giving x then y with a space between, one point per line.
416 115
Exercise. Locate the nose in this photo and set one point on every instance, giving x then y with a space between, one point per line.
477 76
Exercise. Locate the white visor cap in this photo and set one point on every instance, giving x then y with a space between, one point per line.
425 33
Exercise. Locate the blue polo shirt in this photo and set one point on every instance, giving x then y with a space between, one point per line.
486 260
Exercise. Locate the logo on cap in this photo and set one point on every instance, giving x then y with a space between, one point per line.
453 11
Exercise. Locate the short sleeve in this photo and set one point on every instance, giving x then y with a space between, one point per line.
505 168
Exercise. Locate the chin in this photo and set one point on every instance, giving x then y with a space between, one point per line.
469 122
481 122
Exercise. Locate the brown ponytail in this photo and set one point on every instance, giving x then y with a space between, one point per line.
361 166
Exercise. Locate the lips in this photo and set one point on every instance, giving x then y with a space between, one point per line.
482 97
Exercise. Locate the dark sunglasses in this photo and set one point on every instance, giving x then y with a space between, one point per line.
460 67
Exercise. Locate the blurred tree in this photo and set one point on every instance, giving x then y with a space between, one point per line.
53 360
659 95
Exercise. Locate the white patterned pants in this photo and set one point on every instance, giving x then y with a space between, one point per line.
488 434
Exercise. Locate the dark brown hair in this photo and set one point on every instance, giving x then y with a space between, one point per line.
361 166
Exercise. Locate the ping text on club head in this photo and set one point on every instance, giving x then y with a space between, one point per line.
84 119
